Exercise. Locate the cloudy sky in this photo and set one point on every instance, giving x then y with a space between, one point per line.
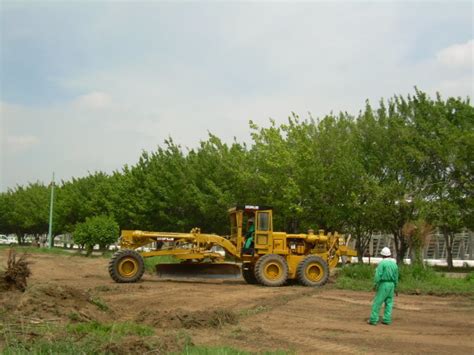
89 85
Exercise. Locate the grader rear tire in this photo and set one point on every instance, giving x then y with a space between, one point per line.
313 271
271 270
126 266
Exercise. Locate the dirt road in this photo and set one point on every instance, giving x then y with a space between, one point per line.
295 318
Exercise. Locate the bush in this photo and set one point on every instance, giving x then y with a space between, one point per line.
357 277
101 230
417 273
414 279
358 271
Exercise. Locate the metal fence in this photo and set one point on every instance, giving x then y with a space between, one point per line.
463 245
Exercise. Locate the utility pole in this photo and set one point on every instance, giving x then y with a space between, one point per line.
50 230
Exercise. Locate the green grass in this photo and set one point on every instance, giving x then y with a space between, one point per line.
462 269
151 262
413 280
100 303
201 350
36 250
75 338
56 251
102 338
108 330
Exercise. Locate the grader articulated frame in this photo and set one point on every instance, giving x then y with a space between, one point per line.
274 258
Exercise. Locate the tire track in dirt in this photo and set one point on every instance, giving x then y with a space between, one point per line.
369 303
317 345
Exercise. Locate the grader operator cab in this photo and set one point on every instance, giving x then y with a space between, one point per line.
271 258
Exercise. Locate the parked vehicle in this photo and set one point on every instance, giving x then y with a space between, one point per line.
5 240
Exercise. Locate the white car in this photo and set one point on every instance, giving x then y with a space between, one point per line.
7 240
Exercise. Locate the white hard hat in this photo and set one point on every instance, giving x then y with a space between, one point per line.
385 252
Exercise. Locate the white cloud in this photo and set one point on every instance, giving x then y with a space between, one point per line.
183 71
94 100
458 55
18 144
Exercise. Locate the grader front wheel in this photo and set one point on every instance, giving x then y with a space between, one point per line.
313 271
126 266
271 270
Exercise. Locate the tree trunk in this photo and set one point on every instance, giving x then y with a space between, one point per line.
89 250
361 244
449 237
20 238
401 245
360 250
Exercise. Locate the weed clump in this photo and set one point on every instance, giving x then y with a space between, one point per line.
16 274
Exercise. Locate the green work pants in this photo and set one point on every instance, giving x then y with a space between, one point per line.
385 292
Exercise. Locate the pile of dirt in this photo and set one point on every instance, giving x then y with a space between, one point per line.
49 301
16 273
184 319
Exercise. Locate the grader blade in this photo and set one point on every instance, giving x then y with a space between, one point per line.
199 270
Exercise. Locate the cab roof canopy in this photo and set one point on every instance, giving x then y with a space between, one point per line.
250 208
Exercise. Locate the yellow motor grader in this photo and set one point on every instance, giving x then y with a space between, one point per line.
272 259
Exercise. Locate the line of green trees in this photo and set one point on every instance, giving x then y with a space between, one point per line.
409 159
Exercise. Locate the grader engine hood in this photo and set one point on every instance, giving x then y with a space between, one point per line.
313 238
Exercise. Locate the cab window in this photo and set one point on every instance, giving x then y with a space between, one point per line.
263 221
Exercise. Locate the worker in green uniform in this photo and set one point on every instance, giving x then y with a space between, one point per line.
385 285
248 244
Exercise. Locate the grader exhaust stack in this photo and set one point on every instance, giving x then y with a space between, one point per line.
260 255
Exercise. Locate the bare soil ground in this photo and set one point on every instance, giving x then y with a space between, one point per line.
246 317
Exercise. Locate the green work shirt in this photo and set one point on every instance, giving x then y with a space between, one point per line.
387 270
249 237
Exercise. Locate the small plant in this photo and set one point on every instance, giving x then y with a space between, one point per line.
99 303
73 316
253 311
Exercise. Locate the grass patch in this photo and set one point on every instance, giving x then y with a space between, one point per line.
253 311
462 269
79 338
100 303
108 330
152 261
102 338
413 280
58 251
36 250
202 350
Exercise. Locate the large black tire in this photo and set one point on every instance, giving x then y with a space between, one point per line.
248 273
126 265
313 271
271 270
